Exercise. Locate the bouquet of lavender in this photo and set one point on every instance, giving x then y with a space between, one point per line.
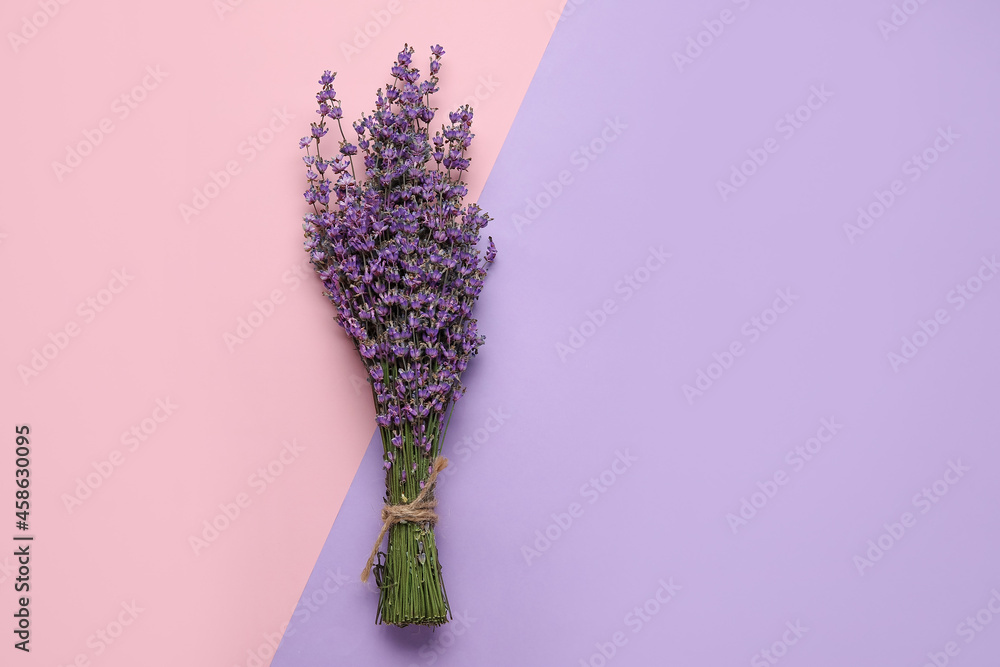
397 253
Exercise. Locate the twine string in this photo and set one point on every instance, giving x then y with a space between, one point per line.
418 510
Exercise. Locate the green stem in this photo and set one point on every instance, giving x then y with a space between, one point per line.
411 590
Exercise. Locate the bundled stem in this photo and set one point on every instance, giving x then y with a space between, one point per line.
411 590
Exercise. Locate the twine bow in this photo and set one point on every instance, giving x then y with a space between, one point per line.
418 510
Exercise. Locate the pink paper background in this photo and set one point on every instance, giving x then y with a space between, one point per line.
221 77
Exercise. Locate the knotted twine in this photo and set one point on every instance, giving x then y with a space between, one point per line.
418 510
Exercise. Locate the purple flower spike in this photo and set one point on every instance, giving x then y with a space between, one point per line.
399 252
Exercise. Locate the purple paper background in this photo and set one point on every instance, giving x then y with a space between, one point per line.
566 420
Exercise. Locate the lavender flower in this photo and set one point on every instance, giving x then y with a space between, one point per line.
397 251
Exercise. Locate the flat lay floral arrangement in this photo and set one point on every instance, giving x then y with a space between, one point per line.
397 250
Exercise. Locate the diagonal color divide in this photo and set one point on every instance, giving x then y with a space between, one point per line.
712 423
194 409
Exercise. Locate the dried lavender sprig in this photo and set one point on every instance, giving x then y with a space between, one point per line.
398 256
